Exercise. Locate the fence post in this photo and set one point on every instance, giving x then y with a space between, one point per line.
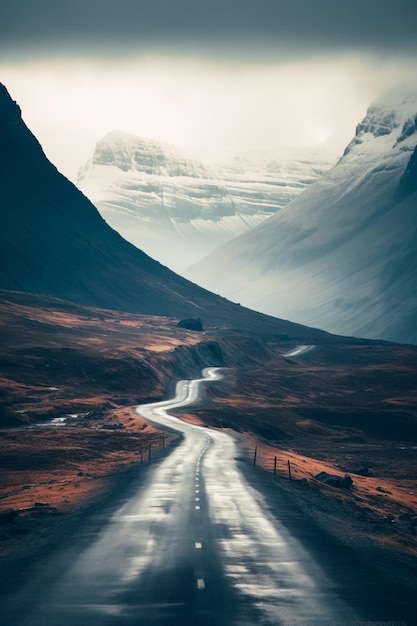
141 456
289 470
149 451
254 456
163 442
275 466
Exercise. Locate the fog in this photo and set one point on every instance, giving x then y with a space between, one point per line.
216 77
213 107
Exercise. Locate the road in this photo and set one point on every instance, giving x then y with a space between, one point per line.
299 351
192 544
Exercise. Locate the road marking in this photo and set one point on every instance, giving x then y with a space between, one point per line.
198 545
197 508
201 583
197 490
197 499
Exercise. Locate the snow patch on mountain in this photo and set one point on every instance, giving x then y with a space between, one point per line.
342 255
177 208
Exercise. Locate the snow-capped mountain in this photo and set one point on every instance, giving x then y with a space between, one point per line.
177 208
343 255
54 242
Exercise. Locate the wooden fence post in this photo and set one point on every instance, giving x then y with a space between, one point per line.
275 466
163 442
254 456
149 451
141 456
289 470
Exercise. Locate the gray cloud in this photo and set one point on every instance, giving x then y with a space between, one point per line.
316 24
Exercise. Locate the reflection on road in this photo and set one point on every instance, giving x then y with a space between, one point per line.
261 561
191 545
299 350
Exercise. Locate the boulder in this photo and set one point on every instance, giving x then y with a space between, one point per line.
192 323
341 482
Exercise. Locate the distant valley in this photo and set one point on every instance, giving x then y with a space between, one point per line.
178 208
89 327
54 242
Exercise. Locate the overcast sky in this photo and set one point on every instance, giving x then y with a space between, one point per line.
220 75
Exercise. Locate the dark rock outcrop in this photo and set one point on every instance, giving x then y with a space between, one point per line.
333 480
192 323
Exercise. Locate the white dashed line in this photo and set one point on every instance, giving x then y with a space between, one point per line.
197 499
198 545
201 583
197 508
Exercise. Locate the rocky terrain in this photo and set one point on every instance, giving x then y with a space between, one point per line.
68 438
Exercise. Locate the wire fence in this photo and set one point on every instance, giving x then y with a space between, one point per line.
277 465
152 448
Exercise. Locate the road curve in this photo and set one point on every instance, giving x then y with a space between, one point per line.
272 578
191 545
299 351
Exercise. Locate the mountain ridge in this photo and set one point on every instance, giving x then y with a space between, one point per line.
326 259
54 242
177 207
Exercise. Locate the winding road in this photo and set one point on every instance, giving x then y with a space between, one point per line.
192 544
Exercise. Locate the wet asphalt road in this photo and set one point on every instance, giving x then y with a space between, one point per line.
190 544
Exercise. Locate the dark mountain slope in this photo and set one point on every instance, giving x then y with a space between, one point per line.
54 242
